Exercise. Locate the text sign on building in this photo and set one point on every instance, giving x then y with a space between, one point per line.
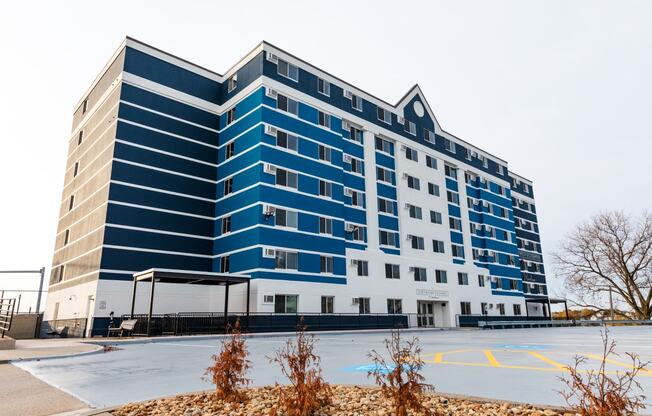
432 293
526 255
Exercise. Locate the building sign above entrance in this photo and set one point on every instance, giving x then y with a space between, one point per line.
432 293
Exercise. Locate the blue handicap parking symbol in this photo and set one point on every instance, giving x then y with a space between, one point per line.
522 347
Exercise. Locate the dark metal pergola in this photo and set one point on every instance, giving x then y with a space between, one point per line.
549 301
187 277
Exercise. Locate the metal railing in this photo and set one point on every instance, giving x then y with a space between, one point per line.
64 328
7 306
187 323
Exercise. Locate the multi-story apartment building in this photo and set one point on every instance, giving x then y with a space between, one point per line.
331 199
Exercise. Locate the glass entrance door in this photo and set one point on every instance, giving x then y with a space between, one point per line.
426 314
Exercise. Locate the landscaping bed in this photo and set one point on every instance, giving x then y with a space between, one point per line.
346 400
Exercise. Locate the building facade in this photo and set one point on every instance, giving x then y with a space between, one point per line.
331 199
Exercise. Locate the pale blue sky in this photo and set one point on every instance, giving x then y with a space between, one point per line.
560 89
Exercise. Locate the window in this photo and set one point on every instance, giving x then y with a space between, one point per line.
435 217
392 271
356 134
484 309
80 138
383 175
433 189
455 223
383 145
324 87
324 153
465 308
357 198
419 274
230 116
394 306
71 204
356 102
228 186
474 251
362 267
325 188
363 305
415 212
324 119
226 224
66 237
232 83
85 106
288 70
453 197
384 115
285 178
57 274
417 243
387 238
513 284
325 264
462 279
410 127
229 151
75 170
357 166
450 171
285 218
224 264
457 250
327 304
287 140
413 182
437 246
481 280
501 308
517 309
287 104
385 205
286 260
429 135
440 276
431 162
411 154
358 233
285 303
325 225
499 283
449 145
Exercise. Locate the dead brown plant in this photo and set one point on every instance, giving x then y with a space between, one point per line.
230 366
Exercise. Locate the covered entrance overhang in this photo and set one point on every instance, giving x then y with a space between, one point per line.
187 277
548 302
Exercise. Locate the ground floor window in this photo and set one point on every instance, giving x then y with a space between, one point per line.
517 309
363 305
483 308
501 308
466 308
394 306
285 303
327 304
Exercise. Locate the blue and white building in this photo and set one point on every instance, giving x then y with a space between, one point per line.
331 199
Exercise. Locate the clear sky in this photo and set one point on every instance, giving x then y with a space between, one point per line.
560 89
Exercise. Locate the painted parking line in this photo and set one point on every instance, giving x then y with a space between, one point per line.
490 357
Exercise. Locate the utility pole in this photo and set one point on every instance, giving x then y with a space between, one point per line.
611 304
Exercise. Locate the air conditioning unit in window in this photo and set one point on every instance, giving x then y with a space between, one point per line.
268 210
269 253
271 93
485 204
410 236
348 191
474 154
346 158
346 125
405 176
403 148
271 130
355 301
354 262
401 120
268 299
407 205
349 228
412 268
348 94
272 57
269 168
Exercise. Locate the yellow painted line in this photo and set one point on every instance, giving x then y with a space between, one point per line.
614 362
438 358
490 357
547 360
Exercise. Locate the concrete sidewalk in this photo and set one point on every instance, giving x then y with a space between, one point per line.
43 348
25 395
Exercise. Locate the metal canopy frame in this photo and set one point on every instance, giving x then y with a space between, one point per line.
187 277
549 301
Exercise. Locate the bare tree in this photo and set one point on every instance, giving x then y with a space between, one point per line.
610 254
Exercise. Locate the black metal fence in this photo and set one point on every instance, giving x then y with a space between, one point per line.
471 321
74 328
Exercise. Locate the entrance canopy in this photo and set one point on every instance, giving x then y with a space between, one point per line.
188 277
549 301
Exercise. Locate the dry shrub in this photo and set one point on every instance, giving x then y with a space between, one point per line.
229 368
400 378
595 393
308 391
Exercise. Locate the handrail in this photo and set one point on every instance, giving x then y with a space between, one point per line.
7 306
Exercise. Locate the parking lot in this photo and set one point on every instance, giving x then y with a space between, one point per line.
520 364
